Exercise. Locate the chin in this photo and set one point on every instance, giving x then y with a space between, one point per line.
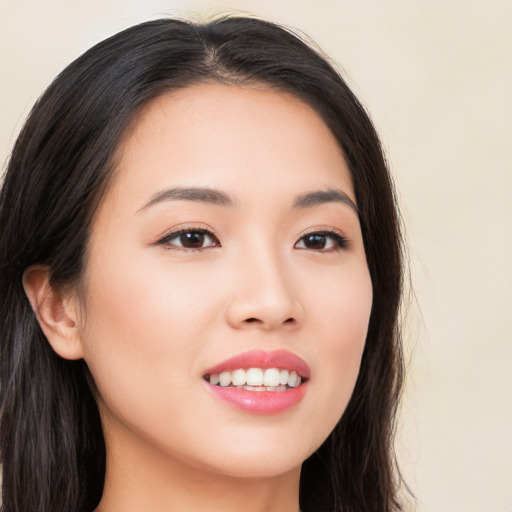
257 467
255 457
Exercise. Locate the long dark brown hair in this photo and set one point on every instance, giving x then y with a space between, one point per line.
51 441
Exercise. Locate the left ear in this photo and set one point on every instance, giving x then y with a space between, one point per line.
56 312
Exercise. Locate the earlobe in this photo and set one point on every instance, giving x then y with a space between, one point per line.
56 312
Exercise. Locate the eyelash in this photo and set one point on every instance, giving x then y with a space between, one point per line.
340 241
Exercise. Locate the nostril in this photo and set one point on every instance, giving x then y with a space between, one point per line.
252 320
268 324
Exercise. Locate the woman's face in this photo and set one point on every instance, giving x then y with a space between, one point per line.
227 232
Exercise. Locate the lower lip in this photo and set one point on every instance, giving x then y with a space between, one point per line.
259 402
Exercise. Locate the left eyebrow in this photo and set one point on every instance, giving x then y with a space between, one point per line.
319 197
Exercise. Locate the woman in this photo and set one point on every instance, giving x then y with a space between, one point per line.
201 272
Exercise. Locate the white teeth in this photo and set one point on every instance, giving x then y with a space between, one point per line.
225 378
294 380
257 379
271 377
239 377
254 377
283 377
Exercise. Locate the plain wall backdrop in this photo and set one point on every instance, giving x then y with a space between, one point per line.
436 77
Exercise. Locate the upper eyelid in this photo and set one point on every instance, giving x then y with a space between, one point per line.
184 228
324 231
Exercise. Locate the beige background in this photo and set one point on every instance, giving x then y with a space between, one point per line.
437 78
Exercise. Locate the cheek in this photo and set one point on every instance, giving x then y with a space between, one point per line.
141 345
143 323
147 298
342 320
342 302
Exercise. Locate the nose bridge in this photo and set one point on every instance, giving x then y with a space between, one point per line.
263 295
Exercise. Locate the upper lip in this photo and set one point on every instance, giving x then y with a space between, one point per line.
282 359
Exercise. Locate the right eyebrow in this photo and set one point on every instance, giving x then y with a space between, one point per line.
324 196
198 194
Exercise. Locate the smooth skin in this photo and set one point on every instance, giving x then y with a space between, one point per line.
258 269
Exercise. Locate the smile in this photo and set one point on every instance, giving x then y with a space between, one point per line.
259 382
257 379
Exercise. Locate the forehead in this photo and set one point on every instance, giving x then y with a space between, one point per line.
238 139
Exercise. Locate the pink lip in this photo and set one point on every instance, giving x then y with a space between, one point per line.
261 402
282 359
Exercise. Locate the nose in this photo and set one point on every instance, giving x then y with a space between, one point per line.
264 295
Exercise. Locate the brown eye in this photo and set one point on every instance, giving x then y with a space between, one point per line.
315 241
193 239
325 241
